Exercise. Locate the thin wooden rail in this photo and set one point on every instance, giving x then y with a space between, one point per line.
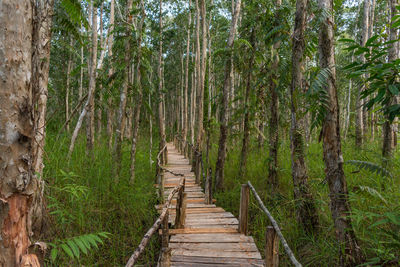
271 259
164 214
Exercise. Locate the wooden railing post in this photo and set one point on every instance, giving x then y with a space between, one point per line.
271 247
165 250
208 187
244 209
162 184
197 168
180 207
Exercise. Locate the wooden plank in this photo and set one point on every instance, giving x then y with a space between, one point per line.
212 221
202 231
191 205
250 247
197 210
211 238
214 253
213 260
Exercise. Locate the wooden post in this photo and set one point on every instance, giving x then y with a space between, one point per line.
162 183
271 247
179 219
244 208
166 155
165 257
208 187
165 231
197 168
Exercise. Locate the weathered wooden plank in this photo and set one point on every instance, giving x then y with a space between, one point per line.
211 238
202 231
219 254
212 221
213 260
216 246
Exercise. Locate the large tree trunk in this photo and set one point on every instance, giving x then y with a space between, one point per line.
388 131
246 120
349 251
25 46
92 86
359 114
306 212
138 106
99 105
274 115
121 120
219 167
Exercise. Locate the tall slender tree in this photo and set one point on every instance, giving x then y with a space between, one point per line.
349 251
305 207
223 134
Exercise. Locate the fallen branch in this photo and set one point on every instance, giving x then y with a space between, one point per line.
133 259
276 227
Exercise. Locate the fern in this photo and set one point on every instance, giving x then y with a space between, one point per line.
73 246
318 96
372 192
370 166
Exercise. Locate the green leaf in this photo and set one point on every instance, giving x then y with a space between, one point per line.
81 245
393 89
73 247
67 250
53 254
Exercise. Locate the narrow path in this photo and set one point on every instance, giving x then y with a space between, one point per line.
210 236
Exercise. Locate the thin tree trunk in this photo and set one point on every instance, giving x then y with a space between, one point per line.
219 167
110 113
161 117
185 109
274 115
92 86
99 105
121 120
138 106
349 251
306 212
246 121
68 85
359 114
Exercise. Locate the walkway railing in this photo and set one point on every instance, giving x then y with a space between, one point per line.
163 219
196 159
273 232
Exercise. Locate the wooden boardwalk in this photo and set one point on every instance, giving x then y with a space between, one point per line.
210 236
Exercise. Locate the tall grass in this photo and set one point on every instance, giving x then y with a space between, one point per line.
320 249
83 198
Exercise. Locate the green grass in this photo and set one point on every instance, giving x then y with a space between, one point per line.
83 198
319 249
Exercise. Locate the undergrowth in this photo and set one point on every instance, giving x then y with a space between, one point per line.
83 198
374 198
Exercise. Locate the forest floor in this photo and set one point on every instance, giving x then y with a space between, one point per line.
84 198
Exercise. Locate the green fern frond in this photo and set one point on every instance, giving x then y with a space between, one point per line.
372 192
370 166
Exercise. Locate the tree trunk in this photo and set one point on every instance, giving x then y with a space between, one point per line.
359 114
306 212
246 121
92 86
121 120
161 117
274 115
110 113
219 167
138 106
388 131
99 105
67 86
349 251
186 92
25 46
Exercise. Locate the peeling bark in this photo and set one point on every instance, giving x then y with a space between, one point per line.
349 251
